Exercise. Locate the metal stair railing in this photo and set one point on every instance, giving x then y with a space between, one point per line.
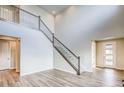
23 17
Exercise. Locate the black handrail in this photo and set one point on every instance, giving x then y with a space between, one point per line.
66 47
25 11
57 39
46 35
46 26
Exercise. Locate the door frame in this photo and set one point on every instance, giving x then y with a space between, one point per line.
18 48
93 53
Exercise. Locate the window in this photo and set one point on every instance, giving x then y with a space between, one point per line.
108 54
9 13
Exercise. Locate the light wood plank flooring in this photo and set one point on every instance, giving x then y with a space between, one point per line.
56 78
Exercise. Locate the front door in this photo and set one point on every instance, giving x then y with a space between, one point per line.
109 54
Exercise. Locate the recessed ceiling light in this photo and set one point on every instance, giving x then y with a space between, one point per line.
54 12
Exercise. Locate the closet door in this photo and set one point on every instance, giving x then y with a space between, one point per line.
5 55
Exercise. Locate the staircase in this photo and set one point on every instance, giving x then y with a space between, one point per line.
72 59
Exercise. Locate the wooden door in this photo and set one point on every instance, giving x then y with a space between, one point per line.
5 55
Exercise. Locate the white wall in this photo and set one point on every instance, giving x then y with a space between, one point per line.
78 25
36 49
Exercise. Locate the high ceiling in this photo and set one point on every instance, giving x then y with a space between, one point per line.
54 9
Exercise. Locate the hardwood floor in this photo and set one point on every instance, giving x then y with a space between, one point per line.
56 78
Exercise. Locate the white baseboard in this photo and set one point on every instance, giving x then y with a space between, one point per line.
111 68
119 68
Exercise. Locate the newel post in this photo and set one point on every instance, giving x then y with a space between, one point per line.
78 73
53 39
39 22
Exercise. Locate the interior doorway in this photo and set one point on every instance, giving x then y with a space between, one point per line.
9 53
108 53
104 53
